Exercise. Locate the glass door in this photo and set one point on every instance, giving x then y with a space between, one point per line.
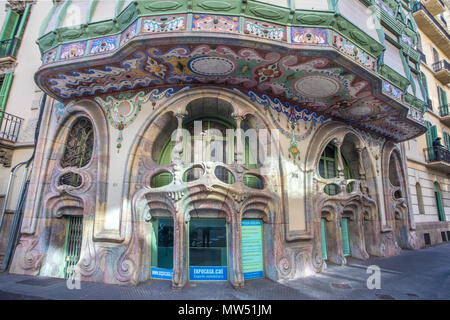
208 260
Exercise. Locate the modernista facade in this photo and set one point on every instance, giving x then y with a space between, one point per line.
209 140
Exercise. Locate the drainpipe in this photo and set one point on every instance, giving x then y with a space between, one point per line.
18 212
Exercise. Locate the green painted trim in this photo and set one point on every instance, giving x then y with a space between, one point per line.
323 239
4 91
62 13
119 7
66 245
47 19
23 21
10 25
408 73
92 6
345 237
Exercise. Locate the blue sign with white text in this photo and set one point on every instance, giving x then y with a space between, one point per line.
208 273
160 273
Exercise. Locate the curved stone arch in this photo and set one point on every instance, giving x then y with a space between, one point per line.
398 213
87 200
331 207
136 190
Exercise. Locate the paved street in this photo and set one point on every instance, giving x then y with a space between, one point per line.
423 274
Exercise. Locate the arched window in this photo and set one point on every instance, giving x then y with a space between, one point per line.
78 150
439 204
419 198
328 167
214 145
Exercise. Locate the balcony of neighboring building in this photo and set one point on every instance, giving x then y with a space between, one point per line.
430 25
445 115
9 127
8 50
438 158
441 71
435 7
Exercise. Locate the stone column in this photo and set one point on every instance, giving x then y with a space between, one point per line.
361 170
235 251
239 148
180 247
338 144
178 148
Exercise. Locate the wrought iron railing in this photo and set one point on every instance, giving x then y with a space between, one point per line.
9 126
444 110
419 6
440 65
437 154
9 47
429 104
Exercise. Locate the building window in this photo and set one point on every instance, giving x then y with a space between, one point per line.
439 203
420 198
78 151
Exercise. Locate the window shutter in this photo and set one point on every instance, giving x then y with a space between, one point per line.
440 96
447 139
434 134
10 25
4 91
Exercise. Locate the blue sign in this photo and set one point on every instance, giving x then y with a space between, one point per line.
252 249
160 273
208 273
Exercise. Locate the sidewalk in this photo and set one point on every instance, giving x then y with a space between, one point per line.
423 274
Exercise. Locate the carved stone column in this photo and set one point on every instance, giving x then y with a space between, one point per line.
235 251
239 149
178 148
338 144
361 170
180 247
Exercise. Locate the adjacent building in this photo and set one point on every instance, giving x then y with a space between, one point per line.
428 165
211 140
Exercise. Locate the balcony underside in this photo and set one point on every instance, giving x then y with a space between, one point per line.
435 7
443 76
432 30
446 120
440 166
315 76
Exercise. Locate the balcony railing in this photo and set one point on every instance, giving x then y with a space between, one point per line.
422 56
9 126
444 111
8 47
441 65
419 6
434 154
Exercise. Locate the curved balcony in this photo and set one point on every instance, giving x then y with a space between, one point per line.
316 60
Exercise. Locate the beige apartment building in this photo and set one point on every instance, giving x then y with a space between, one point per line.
428 166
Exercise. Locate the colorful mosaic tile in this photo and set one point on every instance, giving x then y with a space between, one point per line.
309 35
59 109
348 48
73 50
265 30
103 45
50 56
163 24
205 22
407 40
392 91
128 34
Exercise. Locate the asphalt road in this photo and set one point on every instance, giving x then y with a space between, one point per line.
423 274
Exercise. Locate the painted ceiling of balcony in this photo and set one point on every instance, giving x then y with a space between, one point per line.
320 80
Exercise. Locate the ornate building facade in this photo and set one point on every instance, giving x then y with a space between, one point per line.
211 140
